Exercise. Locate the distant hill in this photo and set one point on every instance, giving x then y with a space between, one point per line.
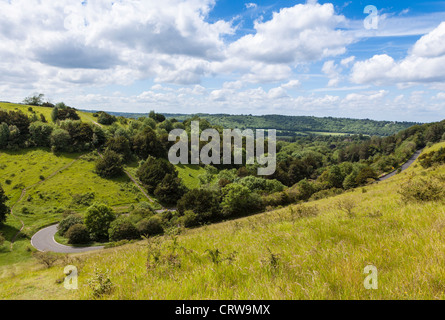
295 125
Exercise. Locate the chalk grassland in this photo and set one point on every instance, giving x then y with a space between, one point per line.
84 116
50 192
290 253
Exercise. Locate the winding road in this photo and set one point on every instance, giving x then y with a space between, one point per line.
405 166
44 239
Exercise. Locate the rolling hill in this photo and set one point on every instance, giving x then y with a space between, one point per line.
316 250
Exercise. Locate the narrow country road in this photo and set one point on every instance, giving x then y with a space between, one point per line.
44 242
405 166
24 193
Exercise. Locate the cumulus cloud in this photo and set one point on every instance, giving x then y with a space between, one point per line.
294 36
424 63
111 41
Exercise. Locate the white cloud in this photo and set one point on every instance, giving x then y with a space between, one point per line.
424 64
251 5
277 93
347 61
294 36
292 84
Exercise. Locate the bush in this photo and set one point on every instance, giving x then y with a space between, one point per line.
98 219
78 234
110 165
301 211
189 219
150 227
422 190
67 223
123 229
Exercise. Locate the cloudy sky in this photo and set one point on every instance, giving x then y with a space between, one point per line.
325 58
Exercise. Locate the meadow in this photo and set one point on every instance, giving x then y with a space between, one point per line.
317 250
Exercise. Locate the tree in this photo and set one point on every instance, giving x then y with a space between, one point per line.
110 165
201 202
153 171
3 207
60 140
238 199
123 229
35 100
106 119
150 227
120 145
98 219
170 190
78 234
67 223
55 114
365 175
40 133
4 135
146 143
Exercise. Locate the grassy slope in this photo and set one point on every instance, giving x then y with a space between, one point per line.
48 200
84 116
277 256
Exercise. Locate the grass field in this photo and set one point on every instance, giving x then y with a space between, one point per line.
84 116
190 175
50 191
275 255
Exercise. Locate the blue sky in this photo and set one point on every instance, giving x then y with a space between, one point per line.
225 56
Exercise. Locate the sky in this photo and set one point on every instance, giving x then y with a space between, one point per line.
325 58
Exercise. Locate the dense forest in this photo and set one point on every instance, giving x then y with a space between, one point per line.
311 167
296 125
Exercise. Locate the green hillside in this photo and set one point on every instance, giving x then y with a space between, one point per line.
316 250
294 125
46 112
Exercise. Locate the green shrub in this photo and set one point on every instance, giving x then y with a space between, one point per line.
189 219
123 229
98 219
67 223
150 227
422 190
78 234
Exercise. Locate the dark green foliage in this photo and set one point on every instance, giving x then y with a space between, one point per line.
201 202
40 134
105 118
428 159
156 116
4 209
170 190
78 234
62 112
97 220
81 134
67 223
150 227
153 171
35 100
60 140
237 199
120 145
123 229
422 190
146 143
365 175
110 165
190 219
